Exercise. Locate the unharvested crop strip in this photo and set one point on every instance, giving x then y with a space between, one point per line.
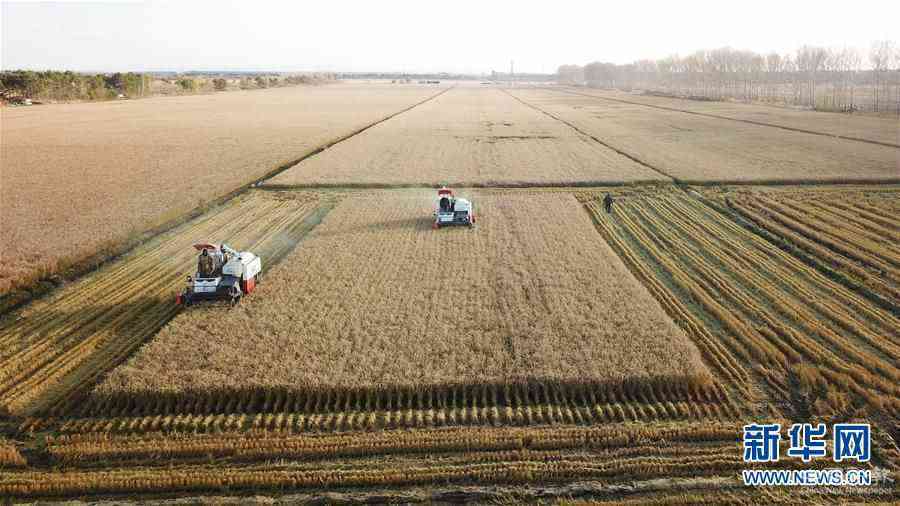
347 410
739 120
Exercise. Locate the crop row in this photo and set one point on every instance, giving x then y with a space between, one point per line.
81 449
10 455
56 348
714 352
839 235
416 411
777 313
269 477
510 395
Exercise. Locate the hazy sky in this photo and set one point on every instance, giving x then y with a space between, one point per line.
417 36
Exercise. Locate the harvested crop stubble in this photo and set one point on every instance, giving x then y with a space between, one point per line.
468 136
151 161
9 455
805 333
61 344
849 232
700 149
104 448
375 297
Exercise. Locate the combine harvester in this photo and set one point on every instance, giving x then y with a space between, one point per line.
222 274
449 210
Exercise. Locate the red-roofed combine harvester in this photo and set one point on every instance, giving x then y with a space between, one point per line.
227 275
450 210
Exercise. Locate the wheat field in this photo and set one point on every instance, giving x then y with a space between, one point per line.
376 297
701 149
469 136
152 161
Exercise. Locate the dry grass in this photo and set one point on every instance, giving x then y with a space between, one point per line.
78 179
376 297
702 149
469 136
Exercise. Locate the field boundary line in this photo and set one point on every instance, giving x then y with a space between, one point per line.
45 285
739 120
595 139
285 166
500 185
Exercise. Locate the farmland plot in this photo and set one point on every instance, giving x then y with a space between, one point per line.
700 149
469 136
860 126
377 309
854 233
825 348
151 161
57 347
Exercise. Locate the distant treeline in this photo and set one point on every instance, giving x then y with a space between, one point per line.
54 85
821 78
65 86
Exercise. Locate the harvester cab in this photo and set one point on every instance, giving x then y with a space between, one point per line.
222 274
450 210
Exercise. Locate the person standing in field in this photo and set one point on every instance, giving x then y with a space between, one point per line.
607 203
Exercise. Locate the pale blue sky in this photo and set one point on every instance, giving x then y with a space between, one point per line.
416 36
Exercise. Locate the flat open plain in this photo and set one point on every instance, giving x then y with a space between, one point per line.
81 179
552 351
469 136
703 149
375 297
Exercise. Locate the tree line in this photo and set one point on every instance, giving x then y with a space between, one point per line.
816 77
67 85
74 86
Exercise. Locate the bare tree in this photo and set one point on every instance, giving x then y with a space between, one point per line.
881 57
811 59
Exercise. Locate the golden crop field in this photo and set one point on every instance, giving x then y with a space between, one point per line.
554 351
469 137
376 299
877 129
701 149
806 333
152 161
54 347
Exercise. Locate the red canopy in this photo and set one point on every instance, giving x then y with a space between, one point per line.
202 246
445 191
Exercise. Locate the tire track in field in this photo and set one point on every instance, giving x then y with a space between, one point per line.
630 156
728 118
